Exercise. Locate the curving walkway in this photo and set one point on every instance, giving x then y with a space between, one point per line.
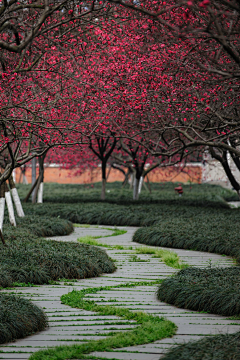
68 325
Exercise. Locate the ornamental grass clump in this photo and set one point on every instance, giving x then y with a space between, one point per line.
19 318
213 290
218 347
41 225
215 233
39 261
30 259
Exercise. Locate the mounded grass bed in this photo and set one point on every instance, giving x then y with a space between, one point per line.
215 233
213 290
19 318
39 225
135 214
218 347
30 259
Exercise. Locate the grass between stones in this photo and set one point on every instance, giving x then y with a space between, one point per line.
170 258
218 347
213 290
150 328
19 318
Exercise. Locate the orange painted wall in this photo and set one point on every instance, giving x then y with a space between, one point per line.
63 176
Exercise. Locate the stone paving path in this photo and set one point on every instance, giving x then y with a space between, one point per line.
68 325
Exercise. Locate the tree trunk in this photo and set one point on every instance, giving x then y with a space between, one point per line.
135 188
103 193
16 198
148 184
34 175
35 192
109 170
132 180
140 185
40 194
2 205
2 238
41 174
224 162
31 190
9 206
23 172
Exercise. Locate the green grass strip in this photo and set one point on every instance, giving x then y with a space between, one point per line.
151 328
170 258
90 240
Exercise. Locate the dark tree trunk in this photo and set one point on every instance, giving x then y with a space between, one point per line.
223 160
103 193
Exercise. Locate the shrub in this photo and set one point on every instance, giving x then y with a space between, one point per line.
218 347
41 225
202 195
133 215
19 318
215 232
28 258
213 290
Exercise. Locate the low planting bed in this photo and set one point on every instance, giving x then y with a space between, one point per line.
218 347
30 259
147 214
19 318
213 290
194 194
44 226
215 232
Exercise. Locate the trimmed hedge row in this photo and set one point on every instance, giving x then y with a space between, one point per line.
218 347
29 259
202 195
134 215
19 318
213 290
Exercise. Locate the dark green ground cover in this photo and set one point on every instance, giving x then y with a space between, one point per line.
210 231
195 194
30 259
199 220
19 318
218 347
40 225
213 290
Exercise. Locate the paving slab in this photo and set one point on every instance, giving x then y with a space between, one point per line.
127 356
